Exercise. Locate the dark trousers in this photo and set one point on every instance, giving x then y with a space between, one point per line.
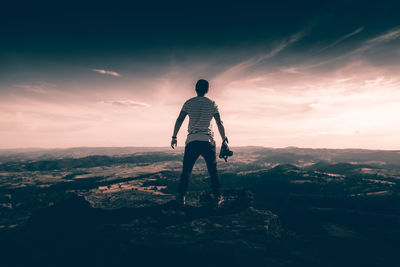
192 151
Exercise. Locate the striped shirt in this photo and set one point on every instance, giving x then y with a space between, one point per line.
201 111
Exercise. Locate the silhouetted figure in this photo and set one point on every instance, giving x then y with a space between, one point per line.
200 139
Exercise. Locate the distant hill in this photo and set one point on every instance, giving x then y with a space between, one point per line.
88 162
339 168
75 152
260 155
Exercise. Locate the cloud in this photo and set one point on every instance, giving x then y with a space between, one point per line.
248 63
107 72
290 70
265 97
390 35
38 89
341 39
290 40
348 57
125 103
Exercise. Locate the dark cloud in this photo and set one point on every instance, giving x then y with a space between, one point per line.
60 27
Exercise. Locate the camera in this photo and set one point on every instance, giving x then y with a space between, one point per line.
225 151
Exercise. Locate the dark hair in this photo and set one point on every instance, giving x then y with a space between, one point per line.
201 87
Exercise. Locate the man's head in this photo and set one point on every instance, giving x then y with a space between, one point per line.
201 87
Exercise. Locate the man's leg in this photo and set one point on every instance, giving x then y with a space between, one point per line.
209 154
191 154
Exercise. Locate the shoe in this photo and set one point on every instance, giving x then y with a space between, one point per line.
181 200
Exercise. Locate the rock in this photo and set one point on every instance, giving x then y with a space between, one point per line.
73 227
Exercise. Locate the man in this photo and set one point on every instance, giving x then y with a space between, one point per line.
200 139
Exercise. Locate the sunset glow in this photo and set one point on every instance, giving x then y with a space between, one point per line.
336 92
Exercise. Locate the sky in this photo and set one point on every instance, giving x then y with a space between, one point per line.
319 74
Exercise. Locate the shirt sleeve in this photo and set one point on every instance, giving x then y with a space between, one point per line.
185 107
215 108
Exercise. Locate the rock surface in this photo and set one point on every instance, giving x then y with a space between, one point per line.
73 231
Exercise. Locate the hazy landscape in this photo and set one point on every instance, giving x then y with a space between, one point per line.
284 207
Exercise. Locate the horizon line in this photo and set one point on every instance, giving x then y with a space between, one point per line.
31 149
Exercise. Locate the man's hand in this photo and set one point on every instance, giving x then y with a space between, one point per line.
174 143
177 126
225 141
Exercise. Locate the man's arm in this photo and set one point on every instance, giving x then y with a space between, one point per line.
221 127
178 125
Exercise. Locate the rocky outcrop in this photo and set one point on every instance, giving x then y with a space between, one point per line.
73 227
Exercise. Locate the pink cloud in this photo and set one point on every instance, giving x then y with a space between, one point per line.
107 72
